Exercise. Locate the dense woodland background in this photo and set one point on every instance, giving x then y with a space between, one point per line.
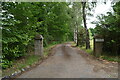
57 22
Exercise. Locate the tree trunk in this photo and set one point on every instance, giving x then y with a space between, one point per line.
77 38
84 20
77 33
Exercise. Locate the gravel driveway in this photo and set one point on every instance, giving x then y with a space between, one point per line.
70 62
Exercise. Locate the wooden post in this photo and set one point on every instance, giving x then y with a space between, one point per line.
39 45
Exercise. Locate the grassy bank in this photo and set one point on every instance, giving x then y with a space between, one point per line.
26 61
110 58
90 51
104 56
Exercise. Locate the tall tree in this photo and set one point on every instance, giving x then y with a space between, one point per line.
85 25
76 20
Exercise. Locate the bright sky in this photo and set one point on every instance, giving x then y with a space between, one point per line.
101 8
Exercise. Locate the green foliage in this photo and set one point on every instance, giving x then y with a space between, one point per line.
81 36
22 21
6 64
16 30
92 32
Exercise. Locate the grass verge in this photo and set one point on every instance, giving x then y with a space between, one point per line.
110 58
90 51
26 61
104 56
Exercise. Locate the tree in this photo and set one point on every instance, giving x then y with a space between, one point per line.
76 20
85 25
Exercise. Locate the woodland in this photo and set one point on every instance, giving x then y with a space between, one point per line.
57 22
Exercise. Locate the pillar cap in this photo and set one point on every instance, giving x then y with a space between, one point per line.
98 36
39 37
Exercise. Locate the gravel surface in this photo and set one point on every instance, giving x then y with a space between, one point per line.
69 62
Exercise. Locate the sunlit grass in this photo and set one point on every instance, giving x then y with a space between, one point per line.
91 44
90 51
73 44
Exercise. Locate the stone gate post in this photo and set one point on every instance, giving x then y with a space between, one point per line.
39 45
98 45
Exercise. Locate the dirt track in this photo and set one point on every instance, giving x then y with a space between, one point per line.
68 62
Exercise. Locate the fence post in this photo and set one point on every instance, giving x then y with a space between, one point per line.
39 45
